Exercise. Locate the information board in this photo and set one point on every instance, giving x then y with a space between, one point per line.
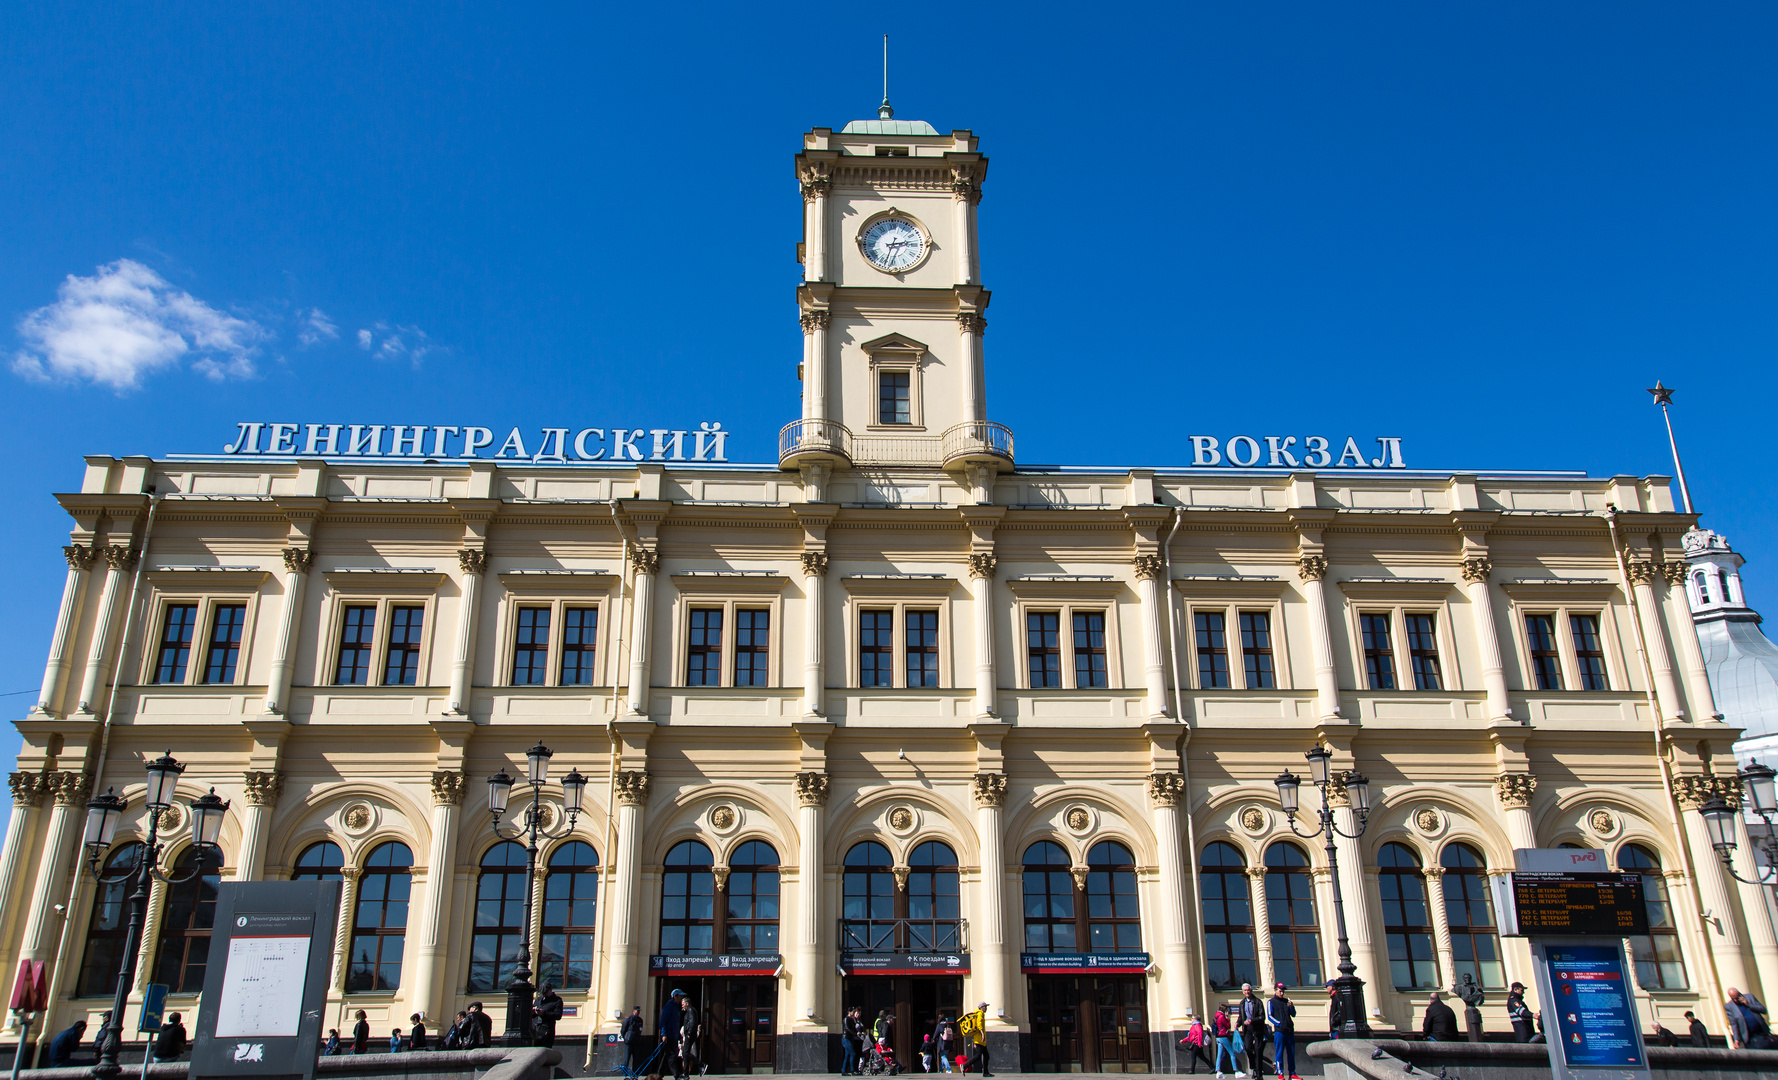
1588 1011
1574 905
1069 963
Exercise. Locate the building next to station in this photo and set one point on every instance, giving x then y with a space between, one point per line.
892 722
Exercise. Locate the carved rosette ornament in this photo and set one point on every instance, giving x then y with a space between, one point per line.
28 788
814 564
1514 790
989 789
120 558
171 819
982 565
814 320
1078 819
1477 569
644 560
69 788
448 787
1427 820
1675 571
1253 819
1601 822
1643 572
1312 567
472 560
811 788
298 560
1165 789
80 558
632 788
1148 567
971 323
263 786
722 819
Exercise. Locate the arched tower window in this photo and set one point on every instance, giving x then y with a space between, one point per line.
570 910
869 899
1290 911
105 928
751 909
319 862
1228 918
934 908
1475 945
499 917
184 948
1407 925
379 926
1702 580
688 901
1659 965
1113 921
1049 900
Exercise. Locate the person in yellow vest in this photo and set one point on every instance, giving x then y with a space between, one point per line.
974 1027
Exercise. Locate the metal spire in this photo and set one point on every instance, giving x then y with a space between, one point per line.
884 111
1664 398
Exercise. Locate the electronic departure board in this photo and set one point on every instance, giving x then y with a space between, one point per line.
1577 905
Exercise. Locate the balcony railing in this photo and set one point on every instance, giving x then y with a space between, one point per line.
904 935
977 439
816 437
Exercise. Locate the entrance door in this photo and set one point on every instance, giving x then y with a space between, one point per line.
916 1002
743 1024
1055 1027
1120 1008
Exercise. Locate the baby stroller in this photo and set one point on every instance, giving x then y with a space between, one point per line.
881 1060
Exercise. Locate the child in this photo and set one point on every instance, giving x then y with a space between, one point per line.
926 1054
395 1041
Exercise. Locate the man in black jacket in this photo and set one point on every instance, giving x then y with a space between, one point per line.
630 1034
169 1043
667 1030
1518 1012
547 1009
1440 1024
1250 1017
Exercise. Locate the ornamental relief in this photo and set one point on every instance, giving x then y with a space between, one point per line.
901 820
1255 820
724 818
1603 822
1078 820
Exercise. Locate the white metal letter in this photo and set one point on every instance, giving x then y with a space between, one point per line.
560 435
372 438
247 442
1281 455
660 445
397 441
514 441
580 450
1392 449
1317 448
316 446
438 438
1352 451
1204 450
474 438
283 439
623 444
712 431
1252 456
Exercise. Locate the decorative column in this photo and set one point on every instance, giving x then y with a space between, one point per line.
120 560
989 794
263 788
296 571
1721 934
148 949
1262 925
1354 895
1149 570
448 786
623 987
80 560
474 564
1643 575
1759 919
28 790
65 818
966 191
815 364
646 563
808 978
1481 609
1166 794
815 186
1685 634
981 571
342 934
814 627
1313 569
1441 924
1513 790
970 328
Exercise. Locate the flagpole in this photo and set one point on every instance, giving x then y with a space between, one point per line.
1664 398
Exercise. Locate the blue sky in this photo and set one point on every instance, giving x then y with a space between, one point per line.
1484 228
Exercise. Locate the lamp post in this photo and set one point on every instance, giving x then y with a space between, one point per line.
103 814
519 993
1757 782
1348 988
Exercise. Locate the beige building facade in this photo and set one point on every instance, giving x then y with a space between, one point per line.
894 722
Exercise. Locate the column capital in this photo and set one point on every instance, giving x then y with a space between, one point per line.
1257 873
814 320
69 788
814 564
1312 567
966 183
28 789
1514 790
1675 570
812 176
971 323
632 788
1321 873
298 560
1337 795
1165 789
472 560
1644 572
1079 874
644 560
351 874
1694 791
448 787
982 565
720 873
1148 567
263 786
1433 873
1477 569
80 558
988 789
812 788
901 877
120 557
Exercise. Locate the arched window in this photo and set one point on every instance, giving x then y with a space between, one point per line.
319 862
1728 594
570 909
1049 900
185 926
1290 912
933 905
1113 923
869 900
1658 963
379 926
1475 945
751 923
1702 580
1407 925
105 929
688 901
1228 918
499 917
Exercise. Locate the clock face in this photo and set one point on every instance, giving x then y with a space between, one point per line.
894 244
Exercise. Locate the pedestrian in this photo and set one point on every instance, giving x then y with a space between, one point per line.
65 1045
1748 1028
1336 1011
691 1028
169 1042
1699 1033
1440 1024
1223 1028
849 1033
1663 1037
417 1037
666 1030
395 1040
1281 1014
481 1026
945 1044
361 1034
1193 1042
1518 1012
1250 1017
331 1047
453 1038
926 1053
977 1026
630 1035
547 1009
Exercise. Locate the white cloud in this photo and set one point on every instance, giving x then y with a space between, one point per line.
125 322
396 342
316 327
364 339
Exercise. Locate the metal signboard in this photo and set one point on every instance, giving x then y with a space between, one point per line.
748 964
1589 1013
1069 963
270 955
1574 905
862 963
154 1007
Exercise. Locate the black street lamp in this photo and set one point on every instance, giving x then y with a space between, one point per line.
1348 988
103 813
520 992
1719 819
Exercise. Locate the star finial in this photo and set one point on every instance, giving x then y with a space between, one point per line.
1663 394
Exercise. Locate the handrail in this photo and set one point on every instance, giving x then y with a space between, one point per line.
903 935
978 437
809 436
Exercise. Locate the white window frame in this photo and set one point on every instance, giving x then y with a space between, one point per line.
896 353
730 592
384 590
556 590
1068 596
898 594
1561 600
1398 600
1230 597
208 589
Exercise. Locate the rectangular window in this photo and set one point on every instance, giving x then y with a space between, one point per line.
1256 649
580 640
1089 649
1546 664
752 646
703 664
1043 635
876 648
894 397
1589 654
530 654
226 624
402 665
1213 649
922 648
1423 652
358 624
175 650
1379 656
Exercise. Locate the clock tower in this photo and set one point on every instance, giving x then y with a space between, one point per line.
892 306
